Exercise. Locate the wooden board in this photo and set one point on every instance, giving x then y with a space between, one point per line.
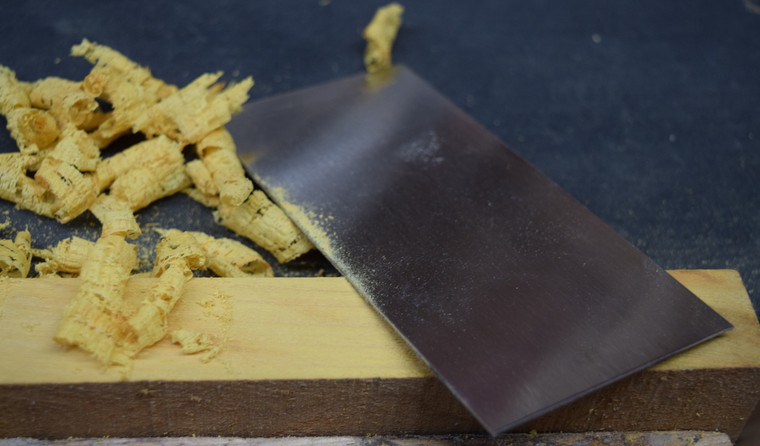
677 438
307 356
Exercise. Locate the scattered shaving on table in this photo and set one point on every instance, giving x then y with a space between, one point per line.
130 89
13 94
230 258
16 255
194 111
219 155
202 180
265 224
32 128
17 187
137 155
226 257
67 102
380 35
158 174
116 216
66 258
65 173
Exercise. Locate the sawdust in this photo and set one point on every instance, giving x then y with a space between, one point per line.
312 224
217 312
193 342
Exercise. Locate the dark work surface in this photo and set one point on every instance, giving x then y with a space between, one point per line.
646 111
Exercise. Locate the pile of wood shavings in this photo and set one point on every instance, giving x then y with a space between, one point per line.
61 126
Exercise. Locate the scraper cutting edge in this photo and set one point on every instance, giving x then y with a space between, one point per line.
516 296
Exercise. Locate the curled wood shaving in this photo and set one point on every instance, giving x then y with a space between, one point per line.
219 155
66 257
95 320
76 148
380 35
16 255
106 58
144 172
177 254
201 178
13 94
230 258
259 220
116 216
73 191
111 168
17 187
130 88
61 172
32 127
67 102
194 111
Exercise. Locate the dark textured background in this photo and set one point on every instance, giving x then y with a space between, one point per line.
646 111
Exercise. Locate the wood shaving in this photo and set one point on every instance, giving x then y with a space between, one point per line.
32 127
76 148
219 155
120 66
194 111
265 224
230 258
158 174
16 255
119 164
116 216
17 187
94 320
61 173
66 257
177 254
13 94
380 35
67 102
226 257
201 178
130 88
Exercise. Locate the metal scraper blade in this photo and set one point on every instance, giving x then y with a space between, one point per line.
516 296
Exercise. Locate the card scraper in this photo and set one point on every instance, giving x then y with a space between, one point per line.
515 295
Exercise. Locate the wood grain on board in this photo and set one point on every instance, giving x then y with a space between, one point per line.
307 356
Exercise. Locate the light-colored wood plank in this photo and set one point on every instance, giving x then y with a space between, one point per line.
724 291
309 357
291 328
